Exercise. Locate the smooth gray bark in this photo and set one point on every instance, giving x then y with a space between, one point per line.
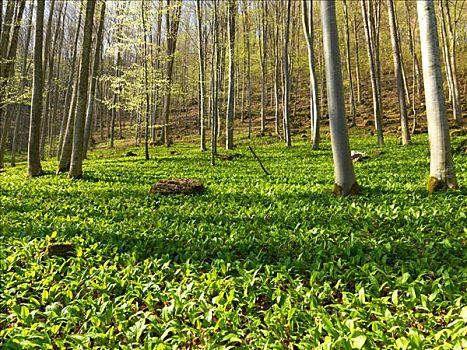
353 108
307 16
345 182
372 39
442 174
398 72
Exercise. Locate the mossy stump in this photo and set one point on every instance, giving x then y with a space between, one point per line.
177 186
64 250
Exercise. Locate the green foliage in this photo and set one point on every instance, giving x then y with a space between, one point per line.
254 262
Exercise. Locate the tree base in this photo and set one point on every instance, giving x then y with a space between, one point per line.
435 185
339 191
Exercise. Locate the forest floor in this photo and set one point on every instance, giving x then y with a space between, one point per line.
254 262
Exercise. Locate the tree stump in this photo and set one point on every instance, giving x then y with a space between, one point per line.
64 250
358 156
177 186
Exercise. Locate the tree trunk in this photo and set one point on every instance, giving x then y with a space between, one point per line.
307 13
9 70
449 45
34 158
353 109
345 182
285 66
215 79
248 65
146 84
94 76
202 75
232 9
68 97
47 70
263 61
172 23
442 175
65 153
372 38
357 58
76 165
398 72
14 142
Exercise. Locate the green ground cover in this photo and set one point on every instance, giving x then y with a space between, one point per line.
256 261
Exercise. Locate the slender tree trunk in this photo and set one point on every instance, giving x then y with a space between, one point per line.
398 73
65 153
7 73
248 60
146 84
373 57
68 97
47 72
276 69
202 75
307 13
94 77
34 160
353 109
56 94
263 61
285 60
157 67
76 165
442 174
417 76
345 182
232 9
172 23
214 78
14 143
449 46
357 58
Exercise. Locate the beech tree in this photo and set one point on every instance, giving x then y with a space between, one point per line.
307 13
345 181
442 175
94 77
202 74
34 159
7 71
76 164
232 10
398 72
371 17
286 76
172 21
